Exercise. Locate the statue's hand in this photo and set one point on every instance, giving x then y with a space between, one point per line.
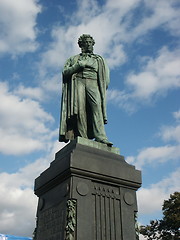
82 63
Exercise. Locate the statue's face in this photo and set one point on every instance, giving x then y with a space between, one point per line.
87 45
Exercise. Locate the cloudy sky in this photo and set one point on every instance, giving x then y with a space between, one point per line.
140 41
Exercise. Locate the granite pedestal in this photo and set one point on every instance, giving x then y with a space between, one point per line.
87 193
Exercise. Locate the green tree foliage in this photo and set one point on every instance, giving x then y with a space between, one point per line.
169 227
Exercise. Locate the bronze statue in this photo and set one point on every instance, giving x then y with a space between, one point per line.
83 104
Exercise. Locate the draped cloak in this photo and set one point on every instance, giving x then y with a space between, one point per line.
69 105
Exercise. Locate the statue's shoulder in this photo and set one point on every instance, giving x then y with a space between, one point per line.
102 62
97 56
71 60
100 58
74 58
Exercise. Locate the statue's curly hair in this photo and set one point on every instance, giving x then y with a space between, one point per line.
83 37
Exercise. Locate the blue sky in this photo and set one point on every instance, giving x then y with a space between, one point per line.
140 41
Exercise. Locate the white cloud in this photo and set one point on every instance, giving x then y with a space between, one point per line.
177 115
117 56
51 83
29 92
17 200
121 99
171 133
123 6
116 95
162 13
18 203
59 49
18 26
161 154
158 75
151 199
87 9
115 20
15 218
24 124
112 25
65 38
155 155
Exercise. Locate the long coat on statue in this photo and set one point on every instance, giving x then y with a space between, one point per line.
69 105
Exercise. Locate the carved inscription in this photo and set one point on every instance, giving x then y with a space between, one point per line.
51 223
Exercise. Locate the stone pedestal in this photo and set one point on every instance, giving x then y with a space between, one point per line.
87 193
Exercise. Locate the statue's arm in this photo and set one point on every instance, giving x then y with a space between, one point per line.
72 67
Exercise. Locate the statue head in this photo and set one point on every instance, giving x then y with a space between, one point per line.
86 43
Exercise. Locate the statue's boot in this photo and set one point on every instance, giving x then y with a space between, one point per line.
105 141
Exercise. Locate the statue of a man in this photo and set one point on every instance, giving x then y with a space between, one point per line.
83 104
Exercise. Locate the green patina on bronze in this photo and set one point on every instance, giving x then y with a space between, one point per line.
83 104
71 219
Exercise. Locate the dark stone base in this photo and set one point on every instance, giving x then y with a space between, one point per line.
87 194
